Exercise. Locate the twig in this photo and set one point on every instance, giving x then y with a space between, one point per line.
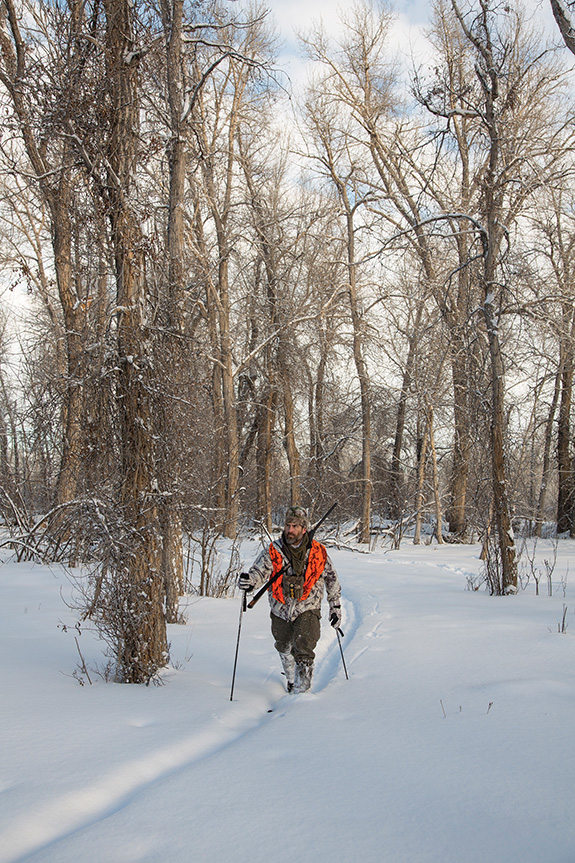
84 669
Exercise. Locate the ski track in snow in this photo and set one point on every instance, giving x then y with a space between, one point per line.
77 809
68 813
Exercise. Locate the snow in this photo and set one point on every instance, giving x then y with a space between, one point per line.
451 742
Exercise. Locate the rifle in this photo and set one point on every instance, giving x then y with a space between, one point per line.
268 584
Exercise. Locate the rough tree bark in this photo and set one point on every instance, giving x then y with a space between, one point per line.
51 167
493 238
143 649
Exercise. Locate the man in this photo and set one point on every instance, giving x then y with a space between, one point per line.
296 596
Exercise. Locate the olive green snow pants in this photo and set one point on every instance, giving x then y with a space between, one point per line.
298 637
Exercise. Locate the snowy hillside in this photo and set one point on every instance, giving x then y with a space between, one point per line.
452 741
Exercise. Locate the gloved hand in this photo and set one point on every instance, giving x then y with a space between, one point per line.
335 616
245 582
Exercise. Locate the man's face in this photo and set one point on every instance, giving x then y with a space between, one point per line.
294 532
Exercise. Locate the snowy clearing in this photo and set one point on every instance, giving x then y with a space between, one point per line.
450 743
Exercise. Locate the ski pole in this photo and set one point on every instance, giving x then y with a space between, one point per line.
242 609
270 581
340 635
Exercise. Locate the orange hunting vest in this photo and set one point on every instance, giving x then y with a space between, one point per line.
315 566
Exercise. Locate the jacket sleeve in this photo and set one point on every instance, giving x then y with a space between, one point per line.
332 585
261 570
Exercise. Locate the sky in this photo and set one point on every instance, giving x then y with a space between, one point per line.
293 16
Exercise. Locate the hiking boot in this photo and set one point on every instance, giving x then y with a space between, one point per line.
303 675
288 663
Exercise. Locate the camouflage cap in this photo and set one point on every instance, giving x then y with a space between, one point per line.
297 515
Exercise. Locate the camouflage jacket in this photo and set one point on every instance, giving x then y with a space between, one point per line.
262 569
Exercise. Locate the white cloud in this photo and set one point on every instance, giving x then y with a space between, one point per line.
412 15
292 17
407 39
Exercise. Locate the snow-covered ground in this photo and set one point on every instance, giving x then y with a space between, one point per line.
451 742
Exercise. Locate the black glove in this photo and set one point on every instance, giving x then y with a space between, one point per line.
245 582
335 616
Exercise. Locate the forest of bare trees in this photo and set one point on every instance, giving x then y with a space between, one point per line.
235 296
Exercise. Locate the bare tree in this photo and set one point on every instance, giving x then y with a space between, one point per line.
144 650
337 161
50 164
402 178
554 224
507 62
564 13
218 114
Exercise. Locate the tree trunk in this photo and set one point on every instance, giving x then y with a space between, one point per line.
546 466
55 186
361 369
73 420
421 458
564 461
220 310
396 495
317 395
488 72
229 403
456 514
436 493
265 422
143 649
290 444
502 506
170 518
